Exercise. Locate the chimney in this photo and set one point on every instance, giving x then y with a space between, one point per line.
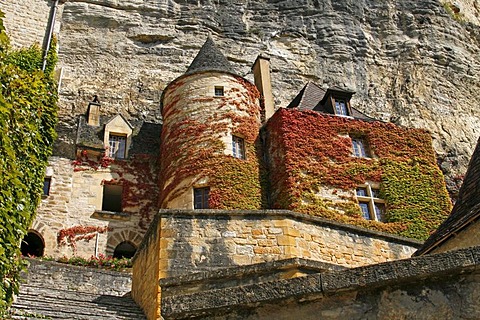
93 117
261 74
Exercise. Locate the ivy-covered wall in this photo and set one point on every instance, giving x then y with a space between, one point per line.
196 142
310 152
28 115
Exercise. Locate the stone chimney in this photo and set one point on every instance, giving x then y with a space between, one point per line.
261 73
93 117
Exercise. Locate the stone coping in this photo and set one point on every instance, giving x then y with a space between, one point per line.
227 214
111 215
33 262
250 270
315 286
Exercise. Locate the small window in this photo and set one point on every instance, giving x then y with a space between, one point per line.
373 208
219 92
200 196
341 108
117 146
112 198
360 149
238 147
46 186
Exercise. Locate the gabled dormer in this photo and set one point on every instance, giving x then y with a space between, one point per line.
336 101
117 137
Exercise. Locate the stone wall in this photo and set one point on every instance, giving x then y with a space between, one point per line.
206 239
442 286
75 201
146 271
26 21
76 278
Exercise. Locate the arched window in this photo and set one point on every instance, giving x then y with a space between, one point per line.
33 245
124 250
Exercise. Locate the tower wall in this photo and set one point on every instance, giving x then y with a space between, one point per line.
197 142
26 21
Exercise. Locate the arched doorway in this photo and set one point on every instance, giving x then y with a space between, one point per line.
124 250
32 245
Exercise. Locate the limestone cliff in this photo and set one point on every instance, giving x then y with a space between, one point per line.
413 62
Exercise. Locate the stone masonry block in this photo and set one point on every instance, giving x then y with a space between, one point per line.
286 240
291 231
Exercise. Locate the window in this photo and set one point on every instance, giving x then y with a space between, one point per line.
219 92
341 108
46 186
238 147
373 208
112 198
360 149
200 198
117 146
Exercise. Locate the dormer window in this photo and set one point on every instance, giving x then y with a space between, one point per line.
360 148
341 108
219 91
117 146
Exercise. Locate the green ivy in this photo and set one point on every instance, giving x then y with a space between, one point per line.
28 115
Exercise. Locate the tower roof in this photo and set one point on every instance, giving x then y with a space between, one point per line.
210 58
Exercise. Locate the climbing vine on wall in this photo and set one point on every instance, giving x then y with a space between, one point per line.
311 152
28 115
137 175
192 149
70 236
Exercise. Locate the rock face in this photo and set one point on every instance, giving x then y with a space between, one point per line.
413 62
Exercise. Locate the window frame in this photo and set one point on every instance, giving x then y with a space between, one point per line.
238 147
221 91
360 148
204 193
112 151
49 185
370 199
344 112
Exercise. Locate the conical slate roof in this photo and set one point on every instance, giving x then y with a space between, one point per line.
210 58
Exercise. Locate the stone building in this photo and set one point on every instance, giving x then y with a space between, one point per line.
319 156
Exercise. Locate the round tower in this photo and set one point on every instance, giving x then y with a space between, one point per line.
209 153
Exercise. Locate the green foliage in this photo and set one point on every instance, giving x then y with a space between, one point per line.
311 152
101 262
28 115
451 9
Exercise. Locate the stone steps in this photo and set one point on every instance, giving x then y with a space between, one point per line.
62 304
54 291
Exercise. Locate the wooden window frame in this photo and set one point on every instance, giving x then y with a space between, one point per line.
219 91
114 141
370 198
204 194
360 147
238 147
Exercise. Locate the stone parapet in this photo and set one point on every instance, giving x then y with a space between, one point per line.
180 242
413 288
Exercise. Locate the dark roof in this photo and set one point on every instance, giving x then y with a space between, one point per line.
465 211
91 136
308 97
145 135
210 58
312 97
